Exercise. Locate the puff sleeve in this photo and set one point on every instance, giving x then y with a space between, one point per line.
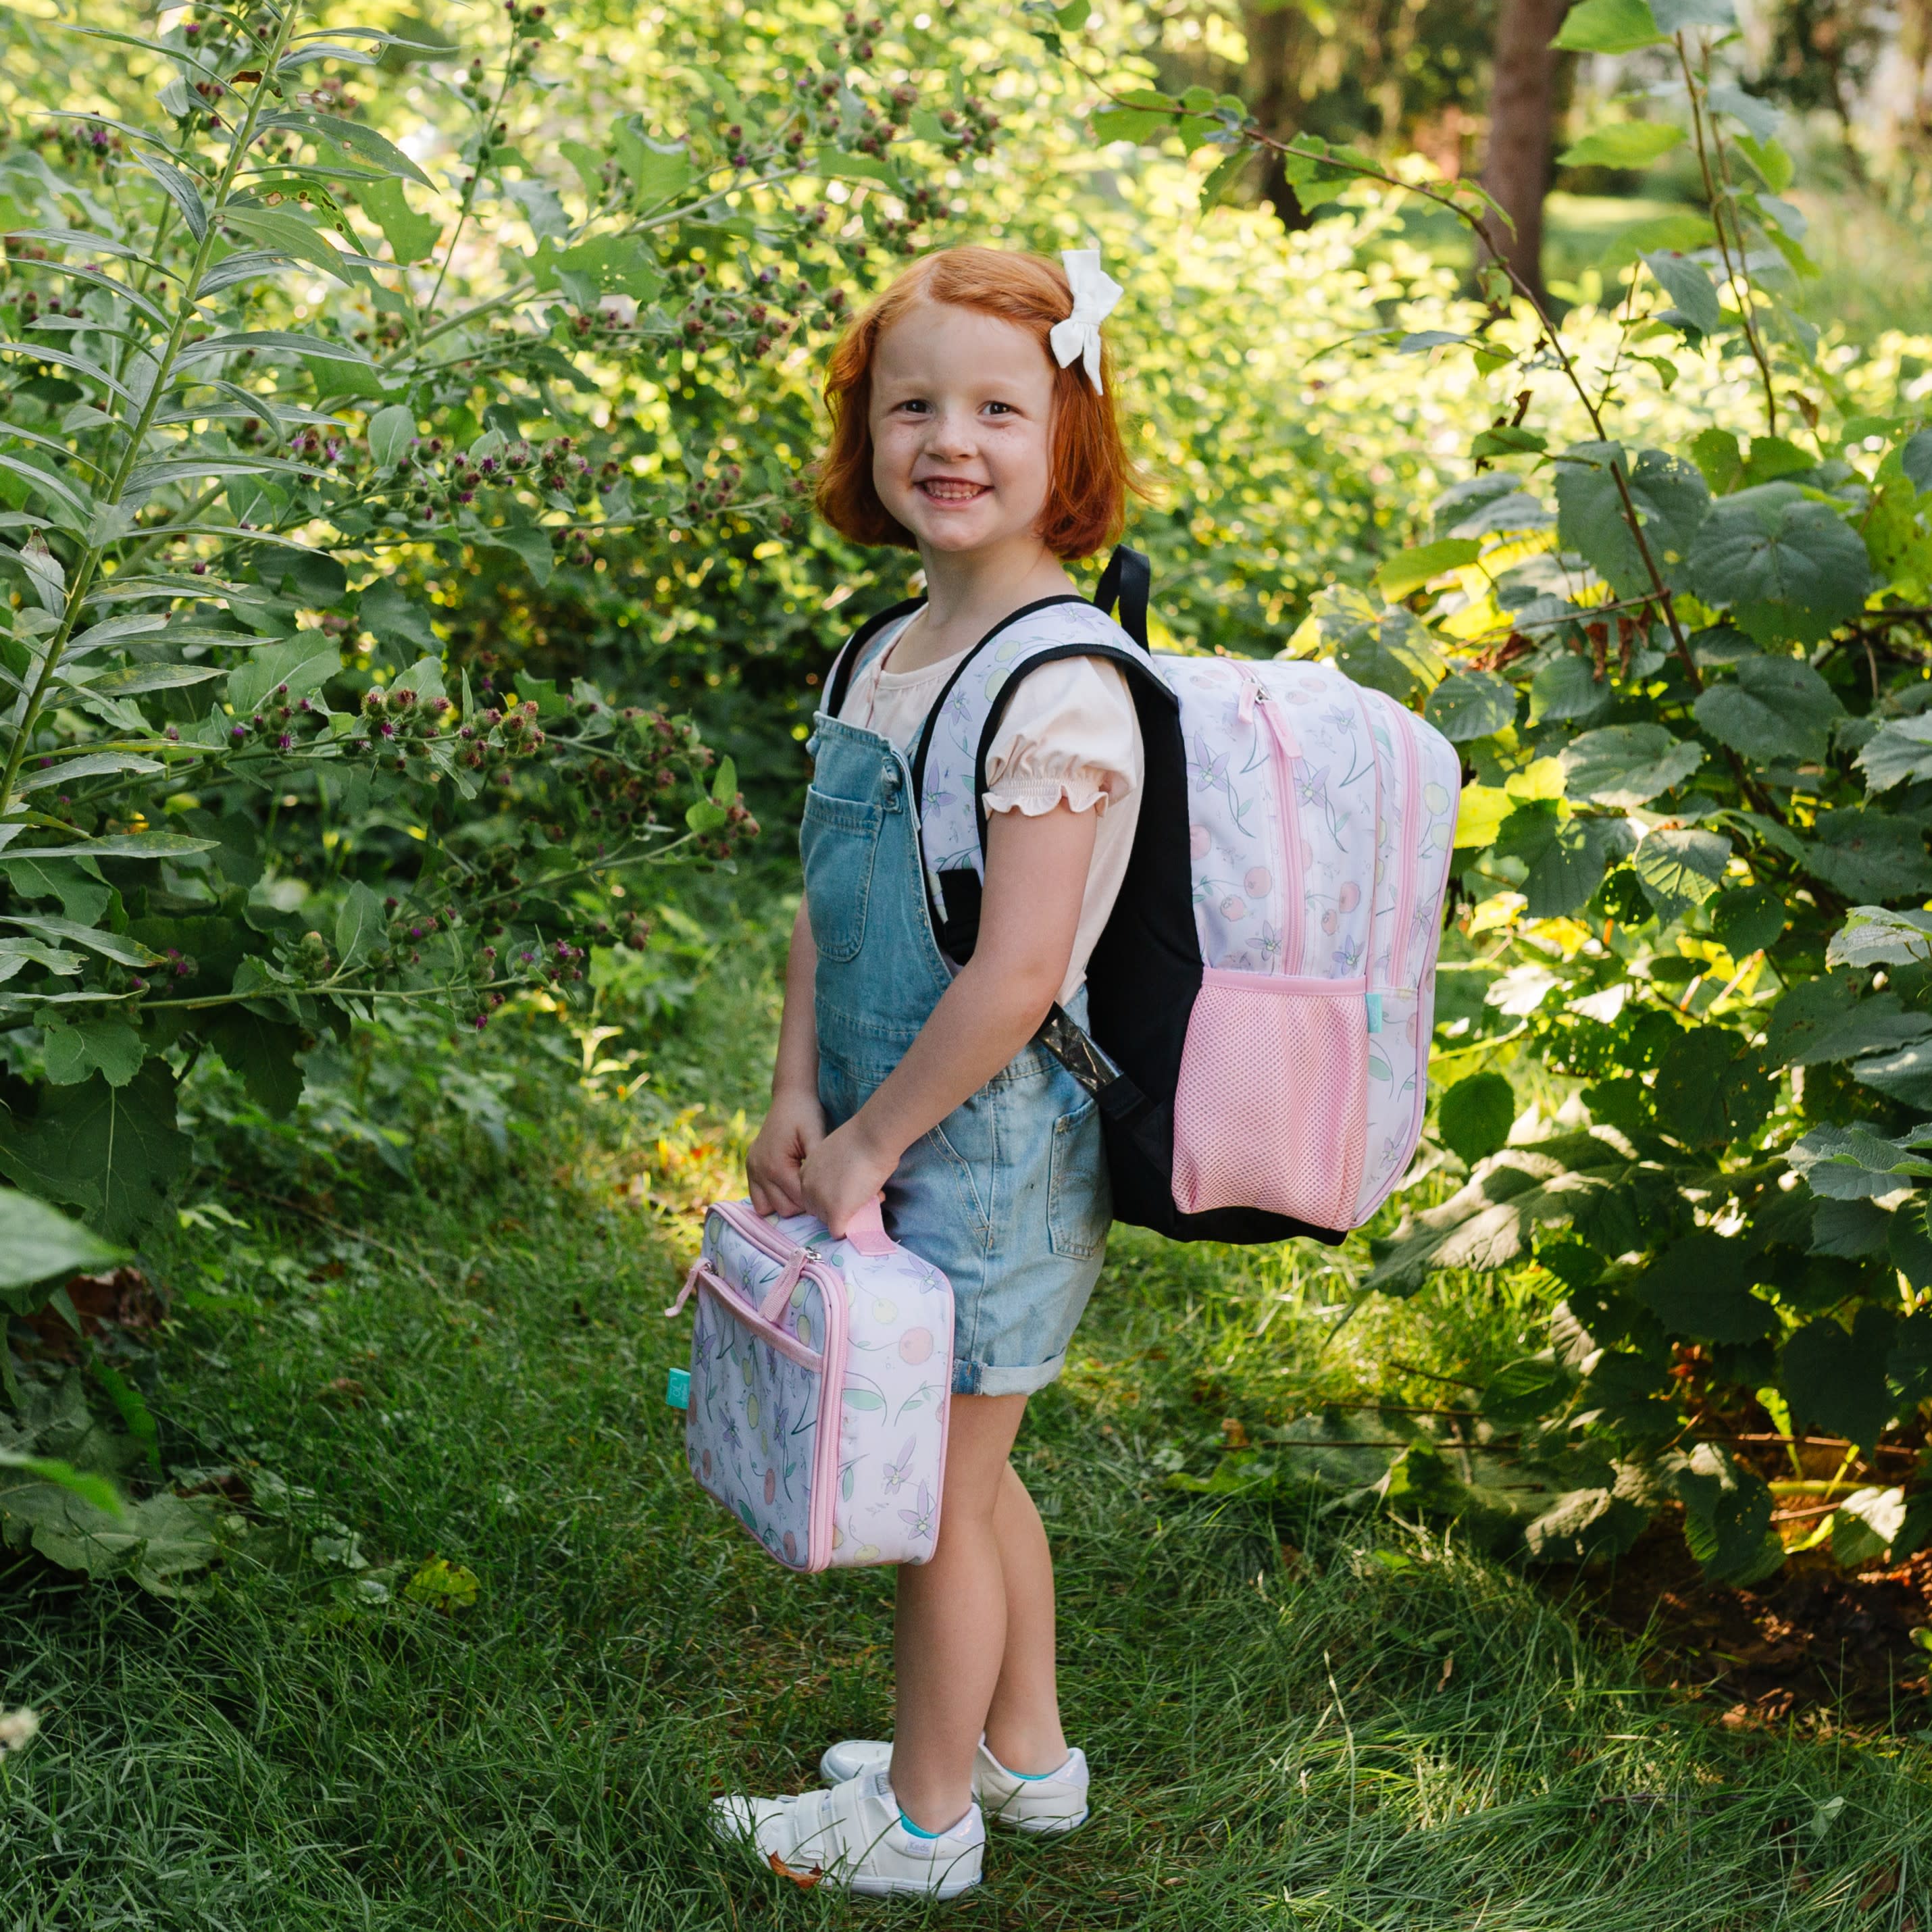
1070 733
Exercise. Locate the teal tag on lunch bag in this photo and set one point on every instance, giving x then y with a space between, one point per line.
1373 1002
677 1388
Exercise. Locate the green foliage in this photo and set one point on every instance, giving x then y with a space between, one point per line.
1688 674
250 793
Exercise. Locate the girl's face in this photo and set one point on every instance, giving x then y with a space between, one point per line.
961 423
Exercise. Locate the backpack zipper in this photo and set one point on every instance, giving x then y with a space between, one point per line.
1286 752
1404 894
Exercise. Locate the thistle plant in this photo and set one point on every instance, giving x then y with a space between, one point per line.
270 380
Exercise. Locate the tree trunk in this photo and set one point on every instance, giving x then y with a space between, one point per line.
1281 47
1523 107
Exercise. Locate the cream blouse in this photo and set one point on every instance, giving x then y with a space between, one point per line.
1070 732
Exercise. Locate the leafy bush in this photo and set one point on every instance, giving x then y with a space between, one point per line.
1690 687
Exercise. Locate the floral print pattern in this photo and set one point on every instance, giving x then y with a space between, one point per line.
755 1429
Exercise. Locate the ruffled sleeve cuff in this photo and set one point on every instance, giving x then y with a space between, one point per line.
1084 791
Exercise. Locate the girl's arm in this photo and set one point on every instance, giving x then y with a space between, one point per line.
1035 875
795 1125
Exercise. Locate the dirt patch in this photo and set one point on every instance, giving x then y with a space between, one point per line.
123 1299
1814 1645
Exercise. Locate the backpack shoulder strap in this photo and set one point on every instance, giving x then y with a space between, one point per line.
838 680
1126 581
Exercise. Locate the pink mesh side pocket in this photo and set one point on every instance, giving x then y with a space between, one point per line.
1272 1106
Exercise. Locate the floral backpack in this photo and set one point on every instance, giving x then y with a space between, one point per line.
1260 1004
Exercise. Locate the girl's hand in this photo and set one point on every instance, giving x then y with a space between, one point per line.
795 1126
841 1174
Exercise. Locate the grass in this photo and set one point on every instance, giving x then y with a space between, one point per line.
1333 1722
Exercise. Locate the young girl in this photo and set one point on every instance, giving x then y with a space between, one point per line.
972 423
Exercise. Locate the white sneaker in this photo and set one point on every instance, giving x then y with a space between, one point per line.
852 1838
1047 1805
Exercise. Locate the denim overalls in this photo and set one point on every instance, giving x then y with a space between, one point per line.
1008 1195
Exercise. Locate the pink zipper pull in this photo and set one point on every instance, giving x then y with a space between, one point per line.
1251 694
780 1291
685 1293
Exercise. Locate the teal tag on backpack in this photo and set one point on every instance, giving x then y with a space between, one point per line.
1373 1002
677 1388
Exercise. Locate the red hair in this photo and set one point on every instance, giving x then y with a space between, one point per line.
1091 471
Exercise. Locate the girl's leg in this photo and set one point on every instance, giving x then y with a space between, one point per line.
1023 1724
951 1639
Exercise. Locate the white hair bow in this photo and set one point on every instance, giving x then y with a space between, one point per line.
1095 292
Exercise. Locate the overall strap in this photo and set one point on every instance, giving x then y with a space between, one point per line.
838 681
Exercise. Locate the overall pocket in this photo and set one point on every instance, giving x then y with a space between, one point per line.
838 840
1271 1109
1079 1202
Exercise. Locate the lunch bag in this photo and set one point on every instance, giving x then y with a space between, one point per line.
1260 1000
815 1404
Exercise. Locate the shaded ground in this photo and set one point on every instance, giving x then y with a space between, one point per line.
1812 1646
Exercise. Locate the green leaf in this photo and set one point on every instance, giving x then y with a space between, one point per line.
1475 1116
1824 1019
1522 1391
37 1241
1710 1089
1718 459
1874 936
1790 568
1627 764
391 431
1776 708
1566 858
76 1048
1774 165
136 680
83 1527
1870 855
1902 1072
1865 1526
288 235
1608 27
1688 284
705 817
1915 458
1680 867
441 1585
125 845
1621 144
179 189
1671 499
1849 1230
356 141
1701 1286
1222 179
1727 1517
1855 1163
1747 918
111 1151
1835 1380
1136 123
530 542
304 663
1899 753
1488 1223
1413 568
1387 649
1471 704
263 1052
1565 685
109 945
359 921
411 236
1772 457
656 172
